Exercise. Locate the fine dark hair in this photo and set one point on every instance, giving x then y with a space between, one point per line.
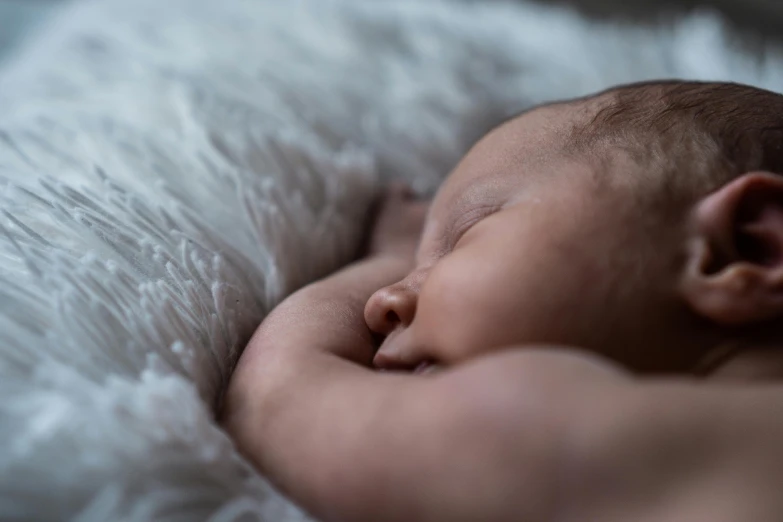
697 136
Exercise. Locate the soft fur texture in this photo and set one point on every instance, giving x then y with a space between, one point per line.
170 170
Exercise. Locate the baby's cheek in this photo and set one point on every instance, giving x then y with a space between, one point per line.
454 317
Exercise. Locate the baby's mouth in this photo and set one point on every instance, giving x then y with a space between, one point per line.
397 353
426 367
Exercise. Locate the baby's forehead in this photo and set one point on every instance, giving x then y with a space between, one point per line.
533 144
543 129
534 136
520 147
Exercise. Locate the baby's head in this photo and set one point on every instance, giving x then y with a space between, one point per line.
644 223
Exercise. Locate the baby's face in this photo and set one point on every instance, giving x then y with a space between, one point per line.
525 245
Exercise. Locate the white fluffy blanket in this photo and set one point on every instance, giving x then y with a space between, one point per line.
170 170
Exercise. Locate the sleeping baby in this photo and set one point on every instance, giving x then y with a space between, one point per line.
583 325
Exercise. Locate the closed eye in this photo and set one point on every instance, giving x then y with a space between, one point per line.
465 222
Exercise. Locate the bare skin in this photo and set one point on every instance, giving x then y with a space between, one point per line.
562 395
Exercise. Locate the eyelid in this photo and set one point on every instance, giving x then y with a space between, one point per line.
467 221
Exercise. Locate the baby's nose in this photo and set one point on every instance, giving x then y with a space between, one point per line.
389 308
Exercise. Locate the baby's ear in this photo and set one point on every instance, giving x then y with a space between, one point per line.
734 273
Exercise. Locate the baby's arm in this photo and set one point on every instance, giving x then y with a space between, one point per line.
528 434
352 444
349 443
525 434
532 434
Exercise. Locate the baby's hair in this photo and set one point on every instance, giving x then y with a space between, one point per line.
697 135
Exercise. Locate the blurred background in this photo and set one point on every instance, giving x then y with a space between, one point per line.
18 16
760 20
764 17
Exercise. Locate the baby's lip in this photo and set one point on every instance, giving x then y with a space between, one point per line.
426 367
397 352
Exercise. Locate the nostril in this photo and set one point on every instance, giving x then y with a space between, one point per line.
392 319
390 308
